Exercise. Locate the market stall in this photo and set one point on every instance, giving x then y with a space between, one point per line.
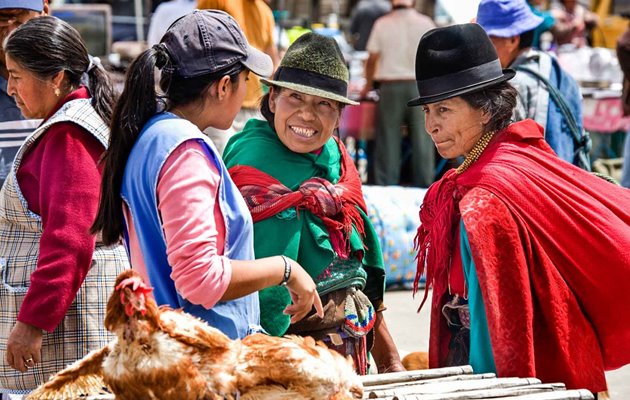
603 117
599 75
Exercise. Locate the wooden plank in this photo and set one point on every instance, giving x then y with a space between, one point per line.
491 393
454 386
432 380
555 395
406 376
581 394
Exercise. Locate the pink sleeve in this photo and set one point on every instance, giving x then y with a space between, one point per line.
193 225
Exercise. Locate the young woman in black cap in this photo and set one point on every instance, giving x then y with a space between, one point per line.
527 254
304 192
167 192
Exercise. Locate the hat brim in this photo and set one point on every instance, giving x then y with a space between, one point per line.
33 5
258 62
512 30
419 101
310 90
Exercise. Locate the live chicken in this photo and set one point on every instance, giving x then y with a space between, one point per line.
160 353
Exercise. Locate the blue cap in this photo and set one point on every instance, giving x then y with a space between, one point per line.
506 18
34 5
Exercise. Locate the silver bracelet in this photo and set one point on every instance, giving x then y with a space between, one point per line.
287 271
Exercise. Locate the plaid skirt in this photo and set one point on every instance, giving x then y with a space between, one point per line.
81 331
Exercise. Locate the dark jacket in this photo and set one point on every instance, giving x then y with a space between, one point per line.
623 54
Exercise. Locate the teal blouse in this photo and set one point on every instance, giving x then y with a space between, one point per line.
480 357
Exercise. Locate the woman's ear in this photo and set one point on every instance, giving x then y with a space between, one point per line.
224 87
485 118
57 81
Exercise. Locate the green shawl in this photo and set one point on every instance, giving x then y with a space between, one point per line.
301 235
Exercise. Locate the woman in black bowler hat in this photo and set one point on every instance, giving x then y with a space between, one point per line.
526 253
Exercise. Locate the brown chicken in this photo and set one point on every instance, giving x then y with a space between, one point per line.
160 353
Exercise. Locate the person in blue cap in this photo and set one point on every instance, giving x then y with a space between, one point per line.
14 13
13 128
546 93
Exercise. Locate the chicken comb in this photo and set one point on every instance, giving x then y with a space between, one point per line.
137 296
134 283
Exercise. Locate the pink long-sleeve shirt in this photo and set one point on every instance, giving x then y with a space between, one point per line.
193 226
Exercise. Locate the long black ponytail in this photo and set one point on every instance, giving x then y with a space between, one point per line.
137 103
101 89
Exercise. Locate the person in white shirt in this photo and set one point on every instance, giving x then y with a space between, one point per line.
164 15
392 50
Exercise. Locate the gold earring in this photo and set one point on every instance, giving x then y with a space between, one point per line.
57 92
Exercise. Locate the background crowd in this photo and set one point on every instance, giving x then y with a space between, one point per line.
388 142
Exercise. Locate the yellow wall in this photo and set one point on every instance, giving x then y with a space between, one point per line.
610 27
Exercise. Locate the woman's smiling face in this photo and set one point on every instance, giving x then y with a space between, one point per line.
303 122
454 126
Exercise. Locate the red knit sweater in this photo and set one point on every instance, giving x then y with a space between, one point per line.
60 180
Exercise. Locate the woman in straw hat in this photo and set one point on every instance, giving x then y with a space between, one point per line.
527 254
305 197
167 192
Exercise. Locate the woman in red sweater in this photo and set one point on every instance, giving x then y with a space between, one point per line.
55 274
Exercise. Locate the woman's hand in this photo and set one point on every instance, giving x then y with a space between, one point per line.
24 346
303 293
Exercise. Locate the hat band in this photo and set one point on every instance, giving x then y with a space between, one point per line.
459 80
312 79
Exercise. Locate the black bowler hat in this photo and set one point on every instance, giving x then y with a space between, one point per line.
455 60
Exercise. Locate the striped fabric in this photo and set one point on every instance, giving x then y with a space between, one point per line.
337 205
82 329
316 194
12 135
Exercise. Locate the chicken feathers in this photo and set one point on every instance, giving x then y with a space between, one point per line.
166 354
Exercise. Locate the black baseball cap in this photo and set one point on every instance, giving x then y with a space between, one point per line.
209 41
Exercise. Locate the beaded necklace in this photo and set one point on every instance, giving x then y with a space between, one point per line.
476 151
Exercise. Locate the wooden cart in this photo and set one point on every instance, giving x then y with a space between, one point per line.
459 383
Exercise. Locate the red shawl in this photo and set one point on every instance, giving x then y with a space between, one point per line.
334 204
551 246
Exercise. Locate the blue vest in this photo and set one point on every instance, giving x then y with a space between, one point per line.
162 134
